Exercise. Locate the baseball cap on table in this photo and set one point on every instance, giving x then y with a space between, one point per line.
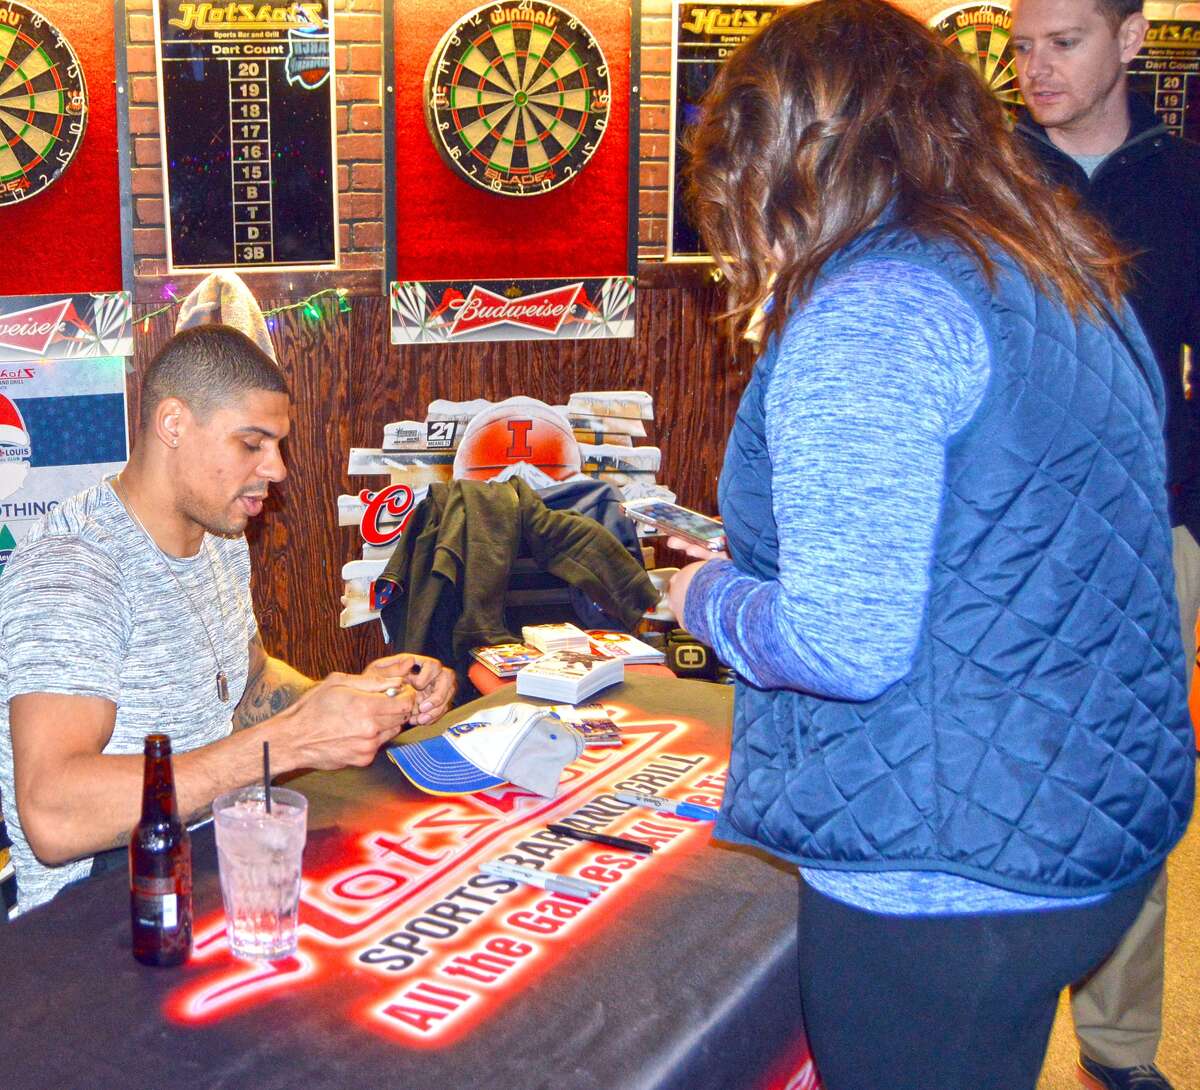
514 743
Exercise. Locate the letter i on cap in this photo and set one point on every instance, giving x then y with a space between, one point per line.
515 743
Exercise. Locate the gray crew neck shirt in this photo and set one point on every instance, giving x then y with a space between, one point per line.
89 606
1090 162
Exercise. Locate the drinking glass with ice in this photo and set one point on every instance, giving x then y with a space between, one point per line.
258 856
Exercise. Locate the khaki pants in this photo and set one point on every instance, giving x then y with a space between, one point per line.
1187 590
1118 1009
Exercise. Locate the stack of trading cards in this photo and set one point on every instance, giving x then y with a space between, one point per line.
505 659
592 721
549 638
620 645
570 676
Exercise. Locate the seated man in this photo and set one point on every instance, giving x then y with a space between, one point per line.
127 611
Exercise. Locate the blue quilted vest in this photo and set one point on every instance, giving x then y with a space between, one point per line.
1040 741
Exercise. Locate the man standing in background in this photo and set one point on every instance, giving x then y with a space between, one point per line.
1095 137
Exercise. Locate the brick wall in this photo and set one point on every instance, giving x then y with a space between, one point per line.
655 121
358 68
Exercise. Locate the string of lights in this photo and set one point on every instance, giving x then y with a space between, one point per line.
311 305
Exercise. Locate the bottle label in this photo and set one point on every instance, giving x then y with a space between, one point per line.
147 886
157 912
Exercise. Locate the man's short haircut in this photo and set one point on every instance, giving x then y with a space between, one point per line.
207 367
1117 11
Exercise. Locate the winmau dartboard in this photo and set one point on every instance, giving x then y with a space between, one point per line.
517 97
982 32
43 103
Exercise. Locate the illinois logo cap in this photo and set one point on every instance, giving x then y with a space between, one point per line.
518 429
515 743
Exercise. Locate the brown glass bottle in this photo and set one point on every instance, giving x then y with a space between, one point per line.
160 866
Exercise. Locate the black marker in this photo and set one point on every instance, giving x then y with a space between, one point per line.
618 842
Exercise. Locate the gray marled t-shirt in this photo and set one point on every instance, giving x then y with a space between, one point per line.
88 607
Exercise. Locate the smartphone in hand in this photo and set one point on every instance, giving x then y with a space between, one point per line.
678 521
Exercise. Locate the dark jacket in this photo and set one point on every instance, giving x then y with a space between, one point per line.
600 501
1040 740
1148 194
451 567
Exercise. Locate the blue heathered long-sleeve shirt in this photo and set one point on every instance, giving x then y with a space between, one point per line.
875 373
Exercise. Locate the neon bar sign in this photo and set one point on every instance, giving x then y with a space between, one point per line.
440 945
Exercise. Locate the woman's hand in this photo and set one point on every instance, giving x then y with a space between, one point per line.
678 587
696 552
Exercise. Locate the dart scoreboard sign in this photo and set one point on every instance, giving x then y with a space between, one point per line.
702 36
441 312
246 116
62 402
1167 73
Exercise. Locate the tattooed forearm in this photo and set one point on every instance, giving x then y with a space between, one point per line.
271 687
268 698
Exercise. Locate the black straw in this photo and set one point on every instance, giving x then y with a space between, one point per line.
267 774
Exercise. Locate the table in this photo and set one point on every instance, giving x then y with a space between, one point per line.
413 971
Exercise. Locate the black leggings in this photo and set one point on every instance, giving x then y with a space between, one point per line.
944 1002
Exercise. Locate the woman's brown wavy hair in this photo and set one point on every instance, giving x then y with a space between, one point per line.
839 108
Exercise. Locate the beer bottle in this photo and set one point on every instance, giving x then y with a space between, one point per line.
160 866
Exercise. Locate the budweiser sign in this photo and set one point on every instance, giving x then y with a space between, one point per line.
446 311
543 312
33 330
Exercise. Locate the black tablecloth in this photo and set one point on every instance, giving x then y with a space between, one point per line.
412 972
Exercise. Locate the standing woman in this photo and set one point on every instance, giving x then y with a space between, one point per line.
961 705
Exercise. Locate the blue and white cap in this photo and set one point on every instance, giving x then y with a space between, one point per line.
514 743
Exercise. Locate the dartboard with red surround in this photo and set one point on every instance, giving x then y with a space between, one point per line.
517 97
43 103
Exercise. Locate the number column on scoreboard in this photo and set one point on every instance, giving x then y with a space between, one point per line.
1169 101
250 142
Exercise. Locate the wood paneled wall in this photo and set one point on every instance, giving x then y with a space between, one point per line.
348 381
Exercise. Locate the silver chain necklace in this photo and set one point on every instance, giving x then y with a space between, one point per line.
222 681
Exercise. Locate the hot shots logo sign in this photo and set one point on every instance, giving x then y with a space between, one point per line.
248 16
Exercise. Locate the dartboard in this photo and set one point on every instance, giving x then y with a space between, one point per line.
43 103
982 33
517 97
